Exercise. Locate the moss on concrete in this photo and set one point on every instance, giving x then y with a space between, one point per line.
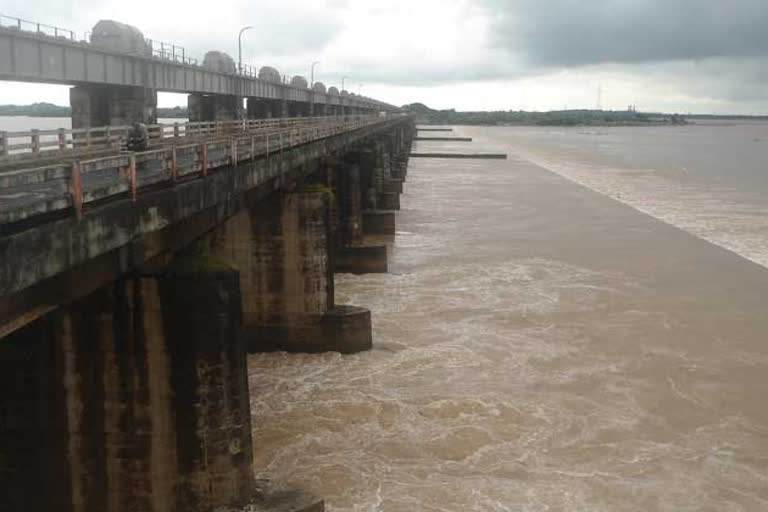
317 188
200 264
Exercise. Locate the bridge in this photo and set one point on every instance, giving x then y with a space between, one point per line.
134 284
116 74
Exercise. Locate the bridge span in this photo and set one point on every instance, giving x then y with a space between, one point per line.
116 73
133 285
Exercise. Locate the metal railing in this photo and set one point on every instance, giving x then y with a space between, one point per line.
39 28
157 49
72 184
169 51
17 146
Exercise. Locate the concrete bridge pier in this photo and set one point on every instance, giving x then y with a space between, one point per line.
378 164
111 105
299 109
282 249
133 398
391 187
278 108
403 139
212 107
282 108
351 254
256 108
376 220
320 110
260 108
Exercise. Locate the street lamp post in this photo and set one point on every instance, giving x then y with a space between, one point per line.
240 49
312 74
342 82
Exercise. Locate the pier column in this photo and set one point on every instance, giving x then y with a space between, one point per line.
212 107
112 105
282 250
352 254
134 398
402 149
377 193
256 109
299 109
389 197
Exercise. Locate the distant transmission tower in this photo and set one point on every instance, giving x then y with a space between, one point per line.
599 97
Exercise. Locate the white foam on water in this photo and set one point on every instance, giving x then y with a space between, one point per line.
722 216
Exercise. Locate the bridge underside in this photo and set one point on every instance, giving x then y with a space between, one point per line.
123 379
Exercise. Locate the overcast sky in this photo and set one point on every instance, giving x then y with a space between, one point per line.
672 55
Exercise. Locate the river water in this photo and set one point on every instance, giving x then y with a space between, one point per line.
583 327
543 345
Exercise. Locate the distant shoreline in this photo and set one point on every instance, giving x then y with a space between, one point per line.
578 117
50 110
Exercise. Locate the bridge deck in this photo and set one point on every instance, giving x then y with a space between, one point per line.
76 179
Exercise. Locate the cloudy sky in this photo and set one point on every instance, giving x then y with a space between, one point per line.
672 55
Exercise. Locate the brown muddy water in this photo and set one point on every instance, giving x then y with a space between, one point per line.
539 346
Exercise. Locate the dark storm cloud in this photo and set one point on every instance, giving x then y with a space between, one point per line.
567 33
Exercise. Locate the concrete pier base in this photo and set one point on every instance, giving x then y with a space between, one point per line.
104 105
389 201
269 498
362 260
283 252
378 222
134 398
212 107
393 185
345 329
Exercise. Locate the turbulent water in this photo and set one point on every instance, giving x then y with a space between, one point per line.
541 347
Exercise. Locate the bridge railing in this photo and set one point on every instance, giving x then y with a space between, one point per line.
33 26
18 146
73 184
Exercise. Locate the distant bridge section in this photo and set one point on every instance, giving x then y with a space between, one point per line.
117 84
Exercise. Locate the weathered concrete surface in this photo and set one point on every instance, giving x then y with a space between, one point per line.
283 250
112 238
344 329
389 201
102 105
211 107
393 185
270 498
134 398
202 319
280 248
370 259
500 156
378 222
